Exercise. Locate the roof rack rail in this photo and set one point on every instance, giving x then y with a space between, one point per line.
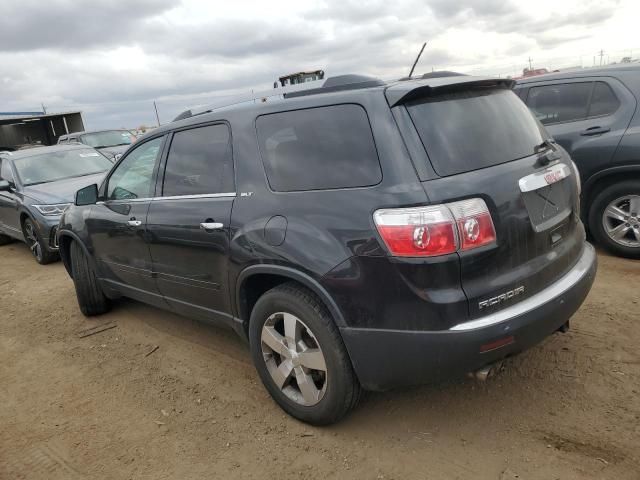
331 84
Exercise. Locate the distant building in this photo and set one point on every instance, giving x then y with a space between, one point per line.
36 128
300 77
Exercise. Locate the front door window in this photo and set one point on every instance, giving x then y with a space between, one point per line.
133 178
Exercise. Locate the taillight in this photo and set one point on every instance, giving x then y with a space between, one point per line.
435 230
475 225
420 231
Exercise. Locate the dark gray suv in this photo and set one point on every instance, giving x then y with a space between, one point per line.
361 234
593 114
36 185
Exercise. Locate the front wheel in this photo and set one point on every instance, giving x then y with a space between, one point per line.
91 299
36 245
300 356
614 218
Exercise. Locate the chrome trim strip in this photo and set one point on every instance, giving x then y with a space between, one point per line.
539 180
576 274
175 197
128 200
189 197
17 230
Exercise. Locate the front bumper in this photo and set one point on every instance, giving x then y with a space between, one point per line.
385 359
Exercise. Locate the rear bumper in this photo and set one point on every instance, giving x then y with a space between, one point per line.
385 359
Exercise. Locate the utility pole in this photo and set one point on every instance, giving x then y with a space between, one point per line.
530 67
156 109
601 55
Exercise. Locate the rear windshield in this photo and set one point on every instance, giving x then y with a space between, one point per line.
469 130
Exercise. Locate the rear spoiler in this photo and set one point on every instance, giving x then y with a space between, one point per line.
402 92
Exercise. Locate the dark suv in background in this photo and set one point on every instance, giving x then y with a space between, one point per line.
361 234
593 114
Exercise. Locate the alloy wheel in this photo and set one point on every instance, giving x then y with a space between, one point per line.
32 241
294 358
621 220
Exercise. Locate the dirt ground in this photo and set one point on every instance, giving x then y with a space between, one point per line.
99 407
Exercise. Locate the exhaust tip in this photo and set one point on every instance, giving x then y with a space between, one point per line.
487 371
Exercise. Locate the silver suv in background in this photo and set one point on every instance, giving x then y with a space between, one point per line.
112 143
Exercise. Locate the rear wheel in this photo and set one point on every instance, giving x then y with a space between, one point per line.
614 218
36 245
91 299
300 356
5 239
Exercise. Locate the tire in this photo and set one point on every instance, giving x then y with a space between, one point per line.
337 387
91 299
603 225
36 245
5 239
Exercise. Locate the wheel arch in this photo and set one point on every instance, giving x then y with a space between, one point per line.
65 238
604 178
255 280
24 214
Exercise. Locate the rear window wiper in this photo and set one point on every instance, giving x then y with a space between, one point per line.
548 146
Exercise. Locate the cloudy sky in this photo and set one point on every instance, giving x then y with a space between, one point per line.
112 58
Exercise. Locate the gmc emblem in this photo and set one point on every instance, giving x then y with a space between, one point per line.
553 177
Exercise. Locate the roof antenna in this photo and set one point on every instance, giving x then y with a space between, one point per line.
417 58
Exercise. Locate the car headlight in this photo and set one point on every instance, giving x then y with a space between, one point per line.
52 210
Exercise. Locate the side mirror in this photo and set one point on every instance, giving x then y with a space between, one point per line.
87 195
4 186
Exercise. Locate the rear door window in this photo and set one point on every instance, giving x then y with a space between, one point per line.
560 103
199 162
318 148
603 100
473 129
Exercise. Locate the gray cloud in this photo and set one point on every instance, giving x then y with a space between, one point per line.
70 25
479 8
226 38
586 15
64 54
352 11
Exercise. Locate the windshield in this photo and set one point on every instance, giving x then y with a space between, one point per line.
110 138
473 129
50 167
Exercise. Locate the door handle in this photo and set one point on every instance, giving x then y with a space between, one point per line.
594 131
134 223
207 226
